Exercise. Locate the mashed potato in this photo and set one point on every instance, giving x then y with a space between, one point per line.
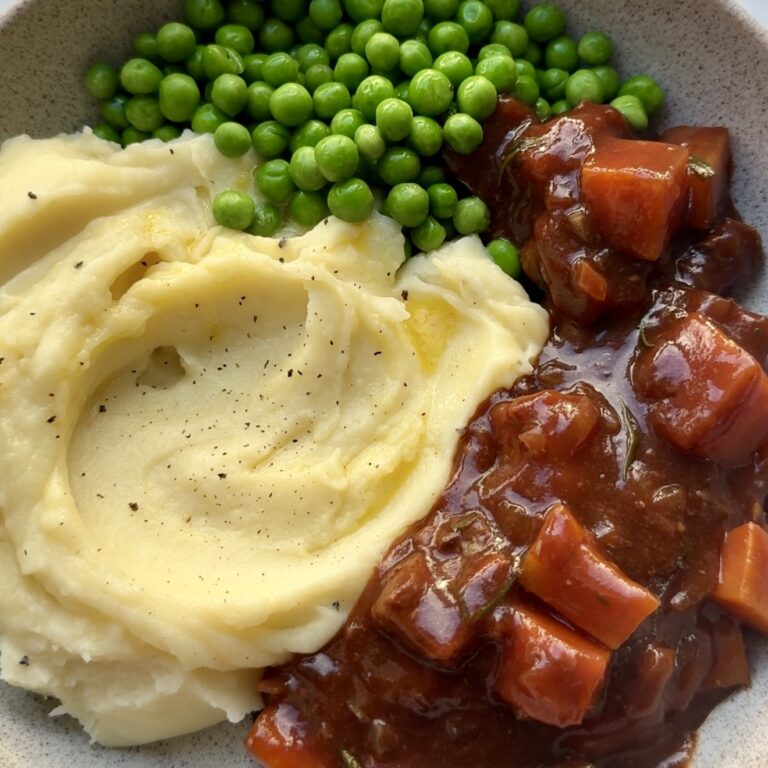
207 439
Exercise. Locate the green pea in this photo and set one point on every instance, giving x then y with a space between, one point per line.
544 22
584 85
132 135
403 90
218 60
610 79
330 98
402 17
179 97
291 104
194 64
362 33
339 41
267 220
414 56
552 83
145 46
101 80
247 13
233 209
140 77
259 96
318 74
308 134
370 93
407 204
429 235
254 67
232 139
527 90
441 10
144 113
270 139
524 67
204 14
351 69
426 136
327 14
351 200
280 68
512 36
646 89
383 51
394 118
431 174
230 94
276 35
308 209
448 36
106 133
506 255
456 66
476 18
337 157
346 123
370 142
176 42
561 53
595 48
360 10
477 97
543 109
398 165
166 133
305 171
273 180
493 49
207 118
443 200
633 110
533 53
430 93
308 32
289 10
560 107
500 70
472 216
503 9
173 69
462 133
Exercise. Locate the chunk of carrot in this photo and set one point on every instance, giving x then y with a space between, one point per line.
742 589
708 174
547 671
709 396
635 191
276 741
565 569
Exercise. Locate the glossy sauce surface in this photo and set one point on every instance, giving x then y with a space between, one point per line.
455 652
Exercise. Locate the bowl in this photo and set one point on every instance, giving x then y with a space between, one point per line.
712 58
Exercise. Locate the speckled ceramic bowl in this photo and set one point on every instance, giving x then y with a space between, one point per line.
713 60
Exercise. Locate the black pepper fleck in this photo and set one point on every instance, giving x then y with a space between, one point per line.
133 505
31 195
24 661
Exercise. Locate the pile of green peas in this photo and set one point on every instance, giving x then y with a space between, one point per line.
350 101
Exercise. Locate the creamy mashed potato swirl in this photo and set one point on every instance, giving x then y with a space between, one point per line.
207 439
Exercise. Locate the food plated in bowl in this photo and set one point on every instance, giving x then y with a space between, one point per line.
604 21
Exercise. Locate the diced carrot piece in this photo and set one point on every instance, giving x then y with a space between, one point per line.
708 184
276 740
590 281
635 191
547 671
547 423
709 395
565 569
730 667
743 586
420 614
